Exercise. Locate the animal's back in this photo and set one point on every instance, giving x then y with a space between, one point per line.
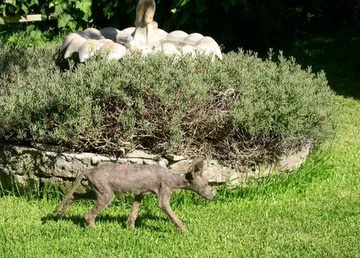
129 178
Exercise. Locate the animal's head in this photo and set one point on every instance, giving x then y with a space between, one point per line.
197 182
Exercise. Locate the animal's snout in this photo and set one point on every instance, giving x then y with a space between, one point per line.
208 194
210 197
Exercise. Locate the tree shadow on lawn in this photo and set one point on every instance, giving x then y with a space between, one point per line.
337 53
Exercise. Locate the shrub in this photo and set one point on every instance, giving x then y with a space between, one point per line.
241 108
70 14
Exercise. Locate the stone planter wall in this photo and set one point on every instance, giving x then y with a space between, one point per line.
27 169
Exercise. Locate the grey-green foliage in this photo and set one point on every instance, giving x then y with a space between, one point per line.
240 108
279 96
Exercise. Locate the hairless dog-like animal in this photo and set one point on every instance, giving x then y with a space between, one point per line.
108 179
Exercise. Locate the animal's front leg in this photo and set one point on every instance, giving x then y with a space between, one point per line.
135 210
164 204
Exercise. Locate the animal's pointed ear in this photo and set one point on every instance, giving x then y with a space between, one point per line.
197 167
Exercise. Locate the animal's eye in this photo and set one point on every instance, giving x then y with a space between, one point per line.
189 176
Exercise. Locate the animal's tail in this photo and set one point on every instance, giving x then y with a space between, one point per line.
61 207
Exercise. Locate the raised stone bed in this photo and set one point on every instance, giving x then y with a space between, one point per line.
28 169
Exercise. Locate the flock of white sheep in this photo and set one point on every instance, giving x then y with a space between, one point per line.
115 44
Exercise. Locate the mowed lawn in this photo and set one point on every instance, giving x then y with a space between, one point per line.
314 212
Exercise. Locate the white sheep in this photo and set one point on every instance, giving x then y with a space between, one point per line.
109 33
69 38
92 33
192 39
88 49
208 46
113 51
188 50
73 46
170 49
174 37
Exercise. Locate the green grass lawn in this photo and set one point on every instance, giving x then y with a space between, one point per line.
314 212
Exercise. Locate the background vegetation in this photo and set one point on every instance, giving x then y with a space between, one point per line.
313 212
255 25
241 108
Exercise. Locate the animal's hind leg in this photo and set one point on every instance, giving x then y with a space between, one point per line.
102 201
135 210
61 208
66 206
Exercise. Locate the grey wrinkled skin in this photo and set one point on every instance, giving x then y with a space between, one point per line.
112 178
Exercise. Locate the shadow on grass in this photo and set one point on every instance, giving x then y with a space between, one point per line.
141 221
337 53
77 220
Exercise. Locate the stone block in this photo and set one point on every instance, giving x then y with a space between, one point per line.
85 157
173 157
28 167
180 166
62 167
136 161
96 159
217 173
294 158
139 154
150 162
163 163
